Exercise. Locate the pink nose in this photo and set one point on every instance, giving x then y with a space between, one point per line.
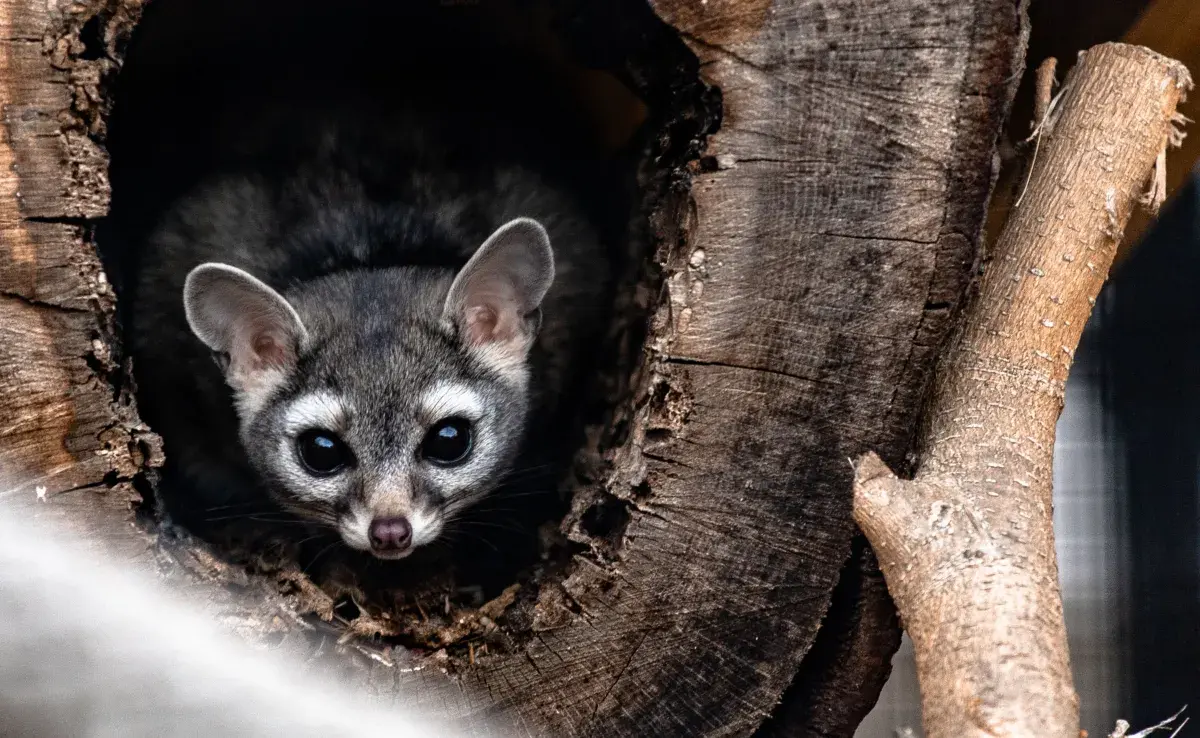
390 534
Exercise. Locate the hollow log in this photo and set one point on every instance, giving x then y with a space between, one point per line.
814 251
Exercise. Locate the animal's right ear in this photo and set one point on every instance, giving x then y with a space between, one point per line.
239 316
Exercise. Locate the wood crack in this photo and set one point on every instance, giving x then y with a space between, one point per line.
760 369
621 673
886 239
70 220
41 304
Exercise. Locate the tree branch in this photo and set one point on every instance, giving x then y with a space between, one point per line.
967 547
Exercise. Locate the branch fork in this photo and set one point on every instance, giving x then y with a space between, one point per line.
967 546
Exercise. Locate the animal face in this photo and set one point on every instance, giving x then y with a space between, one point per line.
381 402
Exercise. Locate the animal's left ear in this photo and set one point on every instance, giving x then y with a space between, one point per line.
496 298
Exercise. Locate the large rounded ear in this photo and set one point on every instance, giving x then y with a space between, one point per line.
496 298
243 319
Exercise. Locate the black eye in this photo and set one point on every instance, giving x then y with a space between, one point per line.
322 452
448 442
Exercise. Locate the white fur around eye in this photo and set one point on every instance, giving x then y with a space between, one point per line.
320 410
451 400
456 400
303 485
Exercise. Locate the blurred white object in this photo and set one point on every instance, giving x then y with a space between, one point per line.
88 650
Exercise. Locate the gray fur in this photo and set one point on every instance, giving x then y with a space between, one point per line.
366 265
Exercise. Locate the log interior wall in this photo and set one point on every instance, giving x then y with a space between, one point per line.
810 277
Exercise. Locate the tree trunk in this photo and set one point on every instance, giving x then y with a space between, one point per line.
967 546
810 276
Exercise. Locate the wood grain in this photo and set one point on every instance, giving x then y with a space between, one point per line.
837 236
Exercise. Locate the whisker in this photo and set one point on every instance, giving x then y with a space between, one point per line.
258 519
321 553
492 524
489 544
532 468
532 473
249 503
506 495
318 536
313 514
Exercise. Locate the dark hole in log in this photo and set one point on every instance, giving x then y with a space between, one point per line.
606 519
605 80
346 609
92 36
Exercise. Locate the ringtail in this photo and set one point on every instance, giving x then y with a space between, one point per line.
369 321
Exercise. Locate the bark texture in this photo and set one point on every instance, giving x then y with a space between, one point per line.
967 547
811 273
68 436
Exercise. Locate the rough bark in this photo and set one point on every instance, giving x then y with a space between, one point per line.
967 546
811 277
67 435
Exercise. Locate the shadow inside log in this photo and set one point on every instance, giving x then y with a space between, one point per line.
600 98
